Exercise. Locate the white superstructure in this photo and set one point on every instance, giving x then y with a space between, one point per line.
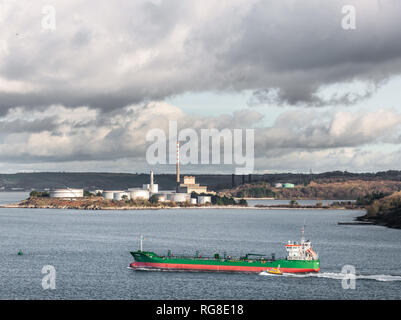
300 251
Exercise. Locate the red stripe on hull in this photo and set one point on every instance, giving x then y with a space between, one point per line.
206 267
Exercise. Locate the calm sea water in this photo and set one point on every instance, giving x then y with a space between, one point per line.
90 251
268 202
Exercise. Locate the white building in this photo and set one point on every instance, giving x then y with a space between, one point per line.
152 188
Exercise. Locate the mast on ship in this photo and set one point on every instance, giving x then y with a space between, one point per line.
141 241
178 168
303 234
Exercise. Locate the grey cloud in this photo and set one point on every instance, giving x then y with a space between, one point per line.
111 57
30 126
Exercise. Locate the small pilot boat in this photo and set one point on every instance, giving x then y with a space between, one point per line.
275 271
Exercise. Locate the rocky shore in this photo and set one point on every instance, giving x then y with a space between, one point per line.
99 203
385 211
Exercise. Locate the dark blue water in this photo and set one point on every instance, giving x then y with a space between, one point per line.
90 251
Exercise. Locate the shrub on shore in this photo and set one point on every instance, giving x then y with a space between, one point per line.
39 194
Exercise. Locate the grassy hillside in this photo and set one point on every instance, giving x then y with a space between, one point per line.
321 189
93 180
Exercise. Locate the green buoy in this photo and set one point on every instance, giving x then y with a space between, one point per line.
20 253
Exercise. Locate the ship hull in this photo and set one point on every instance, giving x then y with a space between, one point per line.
149 260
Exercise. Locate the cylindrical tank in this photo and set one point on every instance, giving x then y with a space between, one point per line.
139 194
204 199
193 201
162 197
109 194
120 195
170 196
181 197
67 193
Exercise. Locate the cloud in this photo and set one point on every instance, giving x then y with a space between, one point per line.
307 130
63 134
107 57
60 136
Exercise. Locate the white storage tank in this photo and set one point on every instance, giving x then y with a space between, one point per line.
181 197
67 193
204 199
137 194
162 197
109 194
193 201
120 195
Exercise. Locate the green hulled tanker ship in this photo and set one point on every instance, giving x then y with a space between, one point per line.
300 258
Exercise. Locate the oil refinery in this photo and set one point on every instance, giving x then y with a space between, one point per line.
182 192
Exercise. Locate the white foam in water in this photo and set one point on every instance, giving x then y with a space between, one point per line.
336 276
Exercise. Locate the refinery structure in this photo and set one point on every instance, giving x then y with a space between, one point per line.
182 192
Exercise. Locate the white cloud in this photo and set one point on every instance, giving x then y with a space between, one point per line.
327 139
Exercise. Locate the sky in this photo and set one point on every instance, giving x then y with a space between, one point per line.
82 83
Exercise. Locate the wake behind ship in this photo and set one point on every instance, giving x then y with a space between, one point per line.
300 259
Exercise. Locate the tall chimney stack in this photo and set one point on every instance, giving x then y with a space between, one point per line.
151 180
178 167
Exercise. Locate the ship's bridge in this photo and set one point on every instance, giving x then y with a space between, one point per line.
300 251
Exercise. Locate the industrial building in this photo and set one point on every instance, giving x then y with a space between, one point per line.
284 185
182 192
190 186
151 187
289 185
